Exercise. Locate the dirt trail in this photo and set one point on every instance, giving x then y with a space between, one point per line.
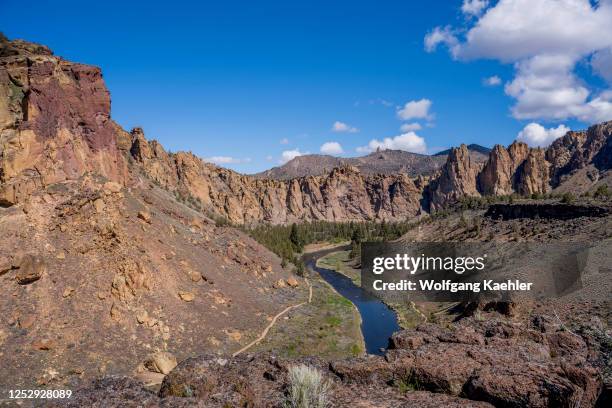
264 333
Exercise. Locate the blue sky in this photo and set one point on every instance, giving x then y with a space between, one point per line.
251 80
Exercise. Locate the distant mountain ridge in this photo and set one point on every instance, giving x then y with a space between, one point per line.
380 162
472 147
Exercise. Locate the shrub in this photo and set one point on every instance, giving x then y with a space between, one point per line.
307 388
463 222
602 192
567 198
299 267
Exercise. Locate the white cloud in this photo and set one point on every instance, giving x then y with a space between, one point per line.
473 7
289 155
410 127
545 40
343 127
409 142
536 135
284 141
269 158
545 87
415 110
517 29
439 36
226 160
331 148
492 81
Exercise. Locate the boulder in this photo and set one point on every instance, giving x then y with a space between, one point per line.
145 216
186 296
112 187
161 362
31 269
280 284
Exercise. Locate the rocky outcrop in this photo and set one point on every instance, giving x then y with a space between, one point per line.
533 175
472 364
457 179
577 150
497 176
344 194
483 361
55 125
54 122
525 171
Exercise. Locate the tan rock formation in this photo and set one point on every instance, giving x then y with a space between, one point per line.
497 176
533 175
457 179
342 195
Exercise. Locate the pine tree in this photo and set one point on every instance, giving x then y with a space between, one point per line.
294 237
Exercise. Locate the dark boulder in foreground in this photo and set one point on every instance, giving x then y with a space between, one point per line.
472 363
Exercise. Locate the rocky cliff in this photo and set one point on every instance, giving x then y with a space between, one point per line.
576 162
55 125
54 122
344 194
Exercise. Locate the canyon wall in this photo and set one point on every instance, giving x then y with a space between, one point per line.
344 194
55 125
54 122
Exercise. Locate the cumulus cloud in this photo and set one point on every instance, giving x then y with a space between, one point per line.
415 110
331 148
536 135
492 81
343 127
544 39
226 160
517 29
441 35
546 87
289 155
409 142
410 127
284 141
473 7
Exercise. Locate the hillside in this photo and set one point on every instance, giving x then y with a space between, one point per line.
478 152
382 162
101 267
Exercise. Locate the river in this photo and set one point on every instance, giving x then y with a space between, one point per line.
378 322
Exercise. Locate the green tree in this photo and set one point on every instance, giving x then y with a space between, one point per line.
294 237
357 235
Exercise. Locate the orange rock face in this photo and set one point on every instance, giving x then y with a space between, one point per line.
54 122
